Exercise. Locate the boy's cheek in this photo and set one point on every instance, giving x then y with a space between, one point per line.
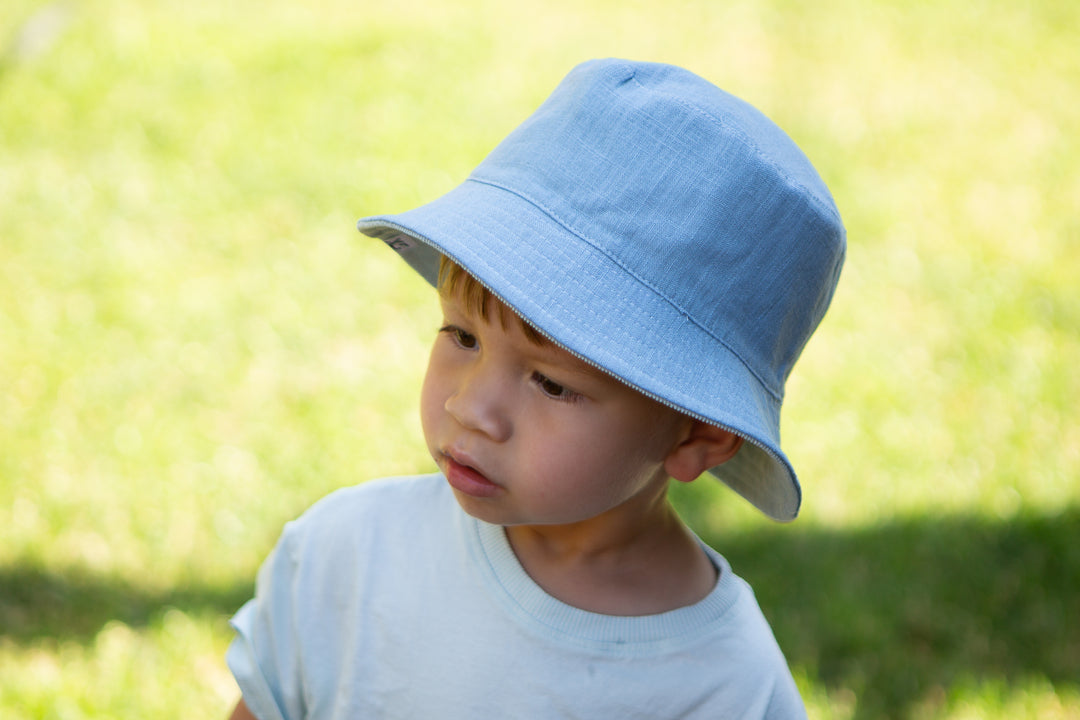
432 402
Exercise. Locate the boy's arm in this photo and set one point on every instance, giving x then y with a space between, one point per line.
241 712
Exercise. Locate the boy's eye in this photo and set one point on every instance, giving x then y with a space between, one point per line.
553 389
462 339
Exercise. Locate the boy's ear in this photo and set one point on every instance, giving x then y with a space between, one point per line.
704 446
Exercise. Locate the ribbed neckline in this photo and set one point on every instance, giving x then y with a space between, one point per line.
520 594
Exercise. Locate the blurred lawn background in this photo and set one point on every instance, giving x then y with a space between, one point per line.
195 344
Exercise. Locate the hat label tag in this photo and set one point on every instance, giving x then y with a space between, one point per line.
400 243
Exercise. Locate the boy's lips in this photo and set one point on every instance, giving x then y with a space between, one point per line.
467 479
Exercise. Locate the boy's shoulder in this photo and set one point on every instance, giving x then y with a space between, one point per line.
421 489
374 507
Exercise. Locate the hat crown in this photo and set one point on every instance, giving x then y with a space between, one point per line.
693 192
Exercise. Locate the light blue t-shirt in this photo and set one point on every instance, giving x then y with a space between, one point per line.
386 600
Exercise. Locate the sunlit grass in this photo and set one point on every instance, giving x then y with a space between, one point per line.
195 344
172 668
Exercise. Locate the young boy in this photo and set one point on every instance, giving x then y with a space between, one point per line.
626 282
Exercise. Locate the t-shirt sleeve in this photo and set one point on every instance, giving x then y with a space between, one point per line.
785 703
264 655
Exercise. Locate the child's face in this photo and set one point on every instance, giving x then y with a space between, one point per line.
528 434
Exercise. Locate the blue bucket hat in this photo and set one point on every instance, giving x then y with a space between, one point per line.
661 229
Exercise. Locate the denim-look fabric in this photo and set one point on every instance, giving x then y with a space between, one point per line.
665 231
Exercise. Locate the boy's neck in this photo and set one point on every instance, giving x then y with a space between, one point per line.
617 569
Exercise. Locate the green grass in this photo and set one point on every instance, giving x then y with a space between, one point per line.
195 344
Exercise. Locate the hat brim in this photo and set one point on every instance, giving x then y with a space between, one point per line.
586 302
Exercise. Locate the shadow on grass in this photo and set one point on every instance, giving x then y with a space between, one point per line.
896 614
37 603
906 612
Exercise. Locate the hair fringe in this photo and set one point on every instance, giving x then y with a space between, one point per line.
454 281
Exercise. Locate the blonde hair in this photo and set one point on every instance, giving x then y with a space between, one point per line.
454 281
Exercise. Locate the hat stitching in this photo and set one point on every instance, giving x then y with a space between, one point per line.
682 311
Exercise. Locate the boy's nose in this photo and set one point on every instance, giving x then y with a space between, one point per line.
478 403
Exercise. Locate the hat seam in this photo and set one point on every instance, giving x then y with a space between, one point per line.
649 286
822 207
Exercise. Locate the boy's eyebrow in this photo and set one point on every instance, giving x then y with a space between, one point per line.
570 362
